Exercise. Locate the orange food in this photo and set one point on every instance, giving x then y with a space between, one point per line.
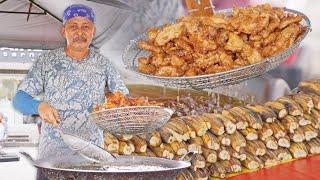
117 99
197 45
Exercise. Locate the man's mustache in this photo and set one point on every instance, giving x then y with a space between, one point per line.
80 39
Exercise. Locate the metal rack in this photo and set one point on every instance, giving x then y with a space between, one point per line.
132 119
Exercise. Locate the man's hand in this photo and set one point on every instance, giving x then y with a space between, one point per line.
48 113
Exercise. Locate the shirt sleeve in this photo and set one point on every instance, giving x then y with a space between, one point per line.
114 82
25 103
33 83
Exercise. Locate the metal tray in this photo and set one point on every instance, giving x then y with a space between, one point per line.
75 167
132 119
132 52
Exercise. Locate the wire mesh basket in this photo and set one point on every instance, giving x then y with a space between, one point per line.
132 119
133 52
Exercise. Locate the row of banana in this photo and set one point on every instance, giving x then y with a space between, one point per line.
251 136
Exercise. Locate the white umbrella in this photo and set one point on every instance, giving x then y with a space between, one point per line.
41 31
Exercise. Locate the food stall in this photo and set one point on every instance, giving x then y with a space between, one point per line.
180 128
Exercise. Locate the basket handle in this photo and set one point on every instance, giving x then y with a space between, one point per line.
28 157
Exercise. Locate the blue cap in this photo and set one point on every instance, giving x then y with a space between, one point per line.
76 10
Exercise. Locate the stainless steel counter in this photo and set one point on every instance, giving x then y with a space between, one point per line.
21 169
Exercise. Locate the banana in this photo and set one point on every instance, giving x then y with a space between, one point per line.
278 129
224 139
265 132
209 154
223 153
236 118
310 132
241 155
179 123
217 170
237 141
290 123
314 122
310 87
256 148
278 108
253 119
293 108
313 146
210 141
179 148
266 114
232 166
298 150
297 136
304 101
250 134
284 141
229 126
217 127
316 101
271 143
270 159
283 154
254 116
197 124
303 121
252 162
315 114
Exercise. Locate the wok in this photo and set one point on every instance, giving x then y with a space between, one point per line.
125 167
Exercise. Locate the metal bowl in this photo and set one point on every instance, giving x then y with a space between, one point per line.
132 52
75 167
132 119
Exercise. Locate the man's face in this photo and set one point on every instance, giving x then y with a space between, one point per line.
79 32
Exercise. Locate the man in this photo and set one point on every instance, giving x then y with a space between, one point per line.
72 79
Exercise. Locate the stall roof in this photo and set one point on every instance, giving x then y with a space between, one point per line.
40 30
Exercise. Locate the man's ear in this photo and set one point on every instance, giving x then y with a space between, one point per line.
94 31
63 31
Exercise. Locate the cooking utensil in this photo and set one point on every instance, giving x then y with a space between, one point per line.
133 52
125 167
132 119
85 148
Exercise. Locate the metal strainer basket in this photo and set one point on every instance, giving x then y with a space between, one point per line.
132 119
133 52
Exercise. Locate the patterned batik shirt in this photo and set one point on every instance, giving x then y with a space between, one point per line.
72 87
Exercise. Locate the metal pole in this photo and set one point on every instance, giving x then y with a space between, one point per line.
19 12
46 11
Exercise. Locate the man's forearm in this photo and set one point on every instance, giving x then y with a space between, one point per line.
25 103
